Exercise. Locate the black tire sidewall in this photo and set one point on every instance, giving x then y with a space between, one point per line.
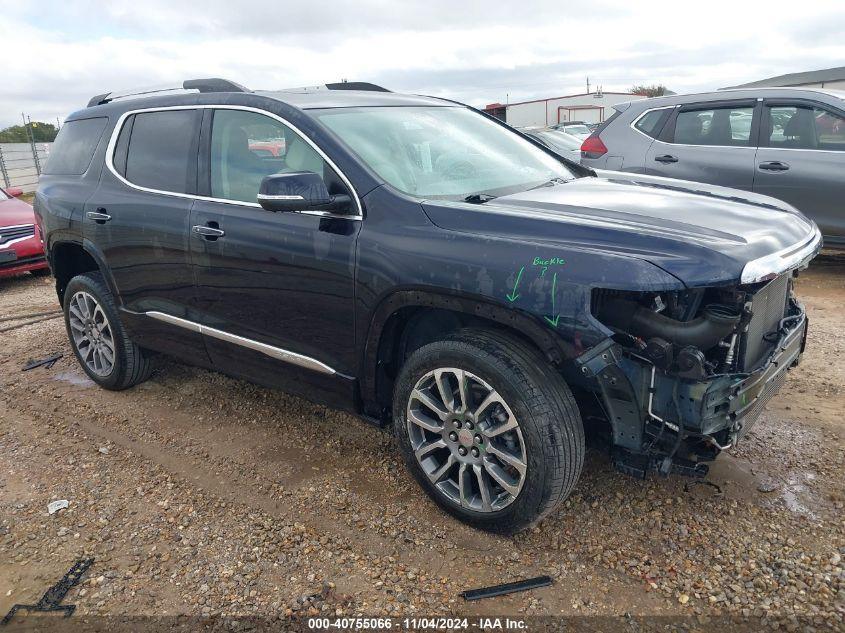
93 284
525 509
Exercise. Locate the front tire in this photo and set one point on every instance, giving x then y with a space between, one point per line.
99 341
489 429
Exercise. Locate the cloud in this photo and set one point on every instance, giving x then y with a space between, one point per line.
473 51
820 30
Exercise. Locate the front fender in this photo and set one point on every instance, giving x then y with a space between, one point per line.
555 348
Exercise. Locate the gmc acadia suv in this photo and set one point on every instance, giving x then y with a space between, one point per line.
421 264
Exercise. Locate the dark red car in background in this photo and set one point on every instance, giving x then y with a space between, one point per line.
21 248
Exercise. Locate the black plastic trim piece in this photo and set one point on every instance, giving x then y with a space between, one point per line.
509 587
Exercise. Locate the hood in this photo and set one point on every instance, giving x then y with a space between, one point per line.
701 234
14 212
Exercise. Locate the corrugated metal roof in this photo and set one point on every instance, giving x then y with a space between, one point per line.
798 79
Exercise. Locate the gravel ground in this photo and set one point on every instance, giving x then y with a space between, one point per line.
201 495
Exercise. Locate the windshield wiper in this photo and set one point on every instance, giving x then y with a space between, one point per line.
479 198
550 182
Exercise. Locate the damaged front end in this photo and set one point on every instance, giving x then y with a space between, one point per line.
686 373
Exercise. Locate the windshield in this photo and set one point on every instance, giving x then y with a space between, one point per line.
442 152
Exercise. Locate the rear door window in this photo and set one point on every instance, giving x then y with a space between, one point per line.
161 146
652 122
804 127
74 147
727 126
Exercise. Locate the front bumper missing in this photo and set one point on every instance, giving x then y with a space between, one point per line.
717 411
746 397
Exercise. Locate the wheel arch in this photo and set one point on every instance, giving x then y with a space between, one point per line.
69 258
401 324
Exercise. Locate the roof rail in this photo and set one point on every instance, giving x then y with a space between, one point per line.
356 85
212 84
342 85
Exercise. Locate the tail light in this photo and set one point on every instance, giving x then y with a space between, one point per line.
592 147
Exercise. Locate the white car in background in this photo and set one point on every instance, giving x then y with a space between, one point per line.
561 143
578 129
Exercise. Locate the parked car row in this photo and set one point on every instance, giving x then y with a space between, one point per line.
788 143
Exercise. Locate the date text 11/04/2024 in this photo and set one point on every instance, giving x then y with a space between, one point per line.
415 624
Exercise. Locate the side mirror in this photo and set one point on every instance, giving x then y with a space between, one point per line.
300 191
15 192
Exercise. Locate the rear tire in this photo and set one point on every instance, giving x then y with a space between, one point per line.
99 341
528 469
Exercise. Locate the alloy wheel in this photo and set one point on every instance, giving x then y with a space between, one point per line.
466 439
91 333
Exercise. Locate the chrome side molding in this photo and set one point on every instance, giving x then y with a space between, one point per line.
274 352
267 196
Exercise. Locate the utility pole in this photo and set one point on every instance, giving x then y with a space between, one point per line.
588 84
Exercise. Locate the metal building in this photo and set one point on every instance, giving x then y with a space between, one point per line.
831 78
592 107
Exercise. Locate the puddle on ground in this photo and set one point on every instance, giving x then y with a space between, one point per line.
794 489
741 480
74 378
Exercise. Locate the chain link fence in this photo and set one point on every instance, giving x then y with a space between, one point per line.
21 164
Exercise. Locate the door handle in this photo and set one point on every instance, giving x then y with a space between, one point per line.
210 233
774 165
666 158
99 216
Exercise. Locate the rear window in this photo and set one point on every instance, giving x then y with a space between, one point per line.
74 147
159 150
652 122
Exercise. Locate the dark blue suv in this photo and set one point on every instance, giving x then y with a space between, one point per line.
420 264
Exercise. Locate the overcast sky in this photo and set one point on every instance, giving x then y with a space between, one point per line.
56 55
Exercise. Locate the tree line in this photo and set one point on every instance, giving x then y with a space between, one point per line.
41 133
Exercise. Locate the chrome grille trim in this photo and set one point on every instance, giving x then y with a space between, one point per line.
12 234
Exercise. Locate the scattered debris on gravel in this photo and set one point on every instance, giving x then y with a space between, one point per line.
205 496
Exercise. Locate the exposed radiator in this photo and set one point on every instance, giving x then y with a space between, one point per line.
768 307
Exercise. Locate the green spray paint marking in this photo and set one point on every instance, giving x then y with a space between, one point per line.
545 263
513 296
551 261
556 318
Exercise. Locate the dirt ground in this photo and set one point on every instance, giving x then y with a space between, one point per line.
202 495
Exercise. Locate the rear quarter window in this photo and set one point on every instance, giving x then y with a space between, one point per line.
74 147
651 123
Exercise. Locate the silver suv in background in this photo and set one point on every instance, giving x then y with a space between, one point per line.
788 143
